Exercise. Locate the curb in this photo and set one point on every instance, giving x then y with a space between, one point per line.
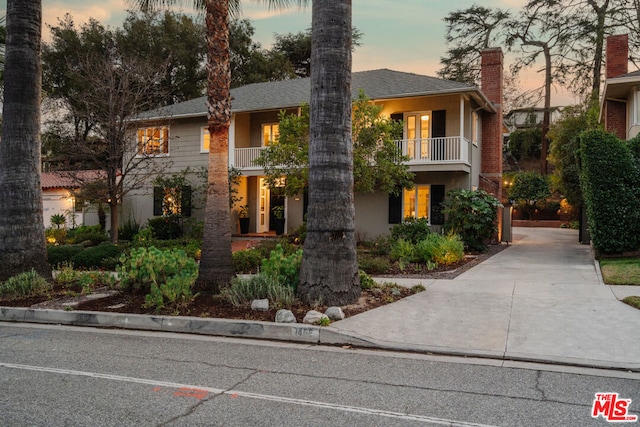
289 332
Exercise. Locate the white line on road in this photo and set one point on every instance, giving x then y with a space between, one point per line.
235 393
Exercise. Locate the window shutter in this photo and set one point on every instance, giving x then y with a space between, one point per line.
395 208
158 197
397 117
185 201
439 123
437 197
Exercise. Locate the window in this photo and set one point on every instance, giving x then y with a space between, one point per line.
205 139
475 128
418 128
270 133
153 141
172 201
415 202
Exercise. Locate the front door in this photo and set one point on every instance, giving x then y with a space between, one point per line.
263 207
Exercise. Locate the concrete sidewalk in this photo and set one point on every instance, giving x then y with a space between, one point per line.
542 299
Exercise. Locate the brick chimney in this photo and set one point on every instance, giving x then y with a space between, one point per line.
492 64
615 112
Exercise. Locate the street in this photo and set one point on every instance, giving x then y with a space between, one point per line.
58 375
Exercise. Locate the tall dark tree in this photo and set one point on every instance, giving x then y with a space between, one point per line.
329 271
216 265
22 246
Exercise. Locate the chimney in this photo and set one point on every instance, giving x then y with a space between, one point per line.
615 112
617 55
492 64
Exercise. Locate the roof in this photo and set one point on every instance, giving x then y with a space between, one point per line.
377 85
619 87
69 179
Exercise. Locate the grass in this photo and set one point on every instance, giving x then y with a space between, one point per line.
621 271
632 301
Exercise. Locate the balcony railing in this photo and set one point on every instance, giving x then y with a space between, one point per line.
450 149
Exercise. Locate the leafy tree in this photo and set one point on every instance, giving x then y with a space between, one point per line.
527 189
377 164
216 263
329 271
471 214
469 31
525 143
22 246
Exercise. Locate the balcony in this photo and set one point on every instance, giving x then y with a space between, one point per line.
428 151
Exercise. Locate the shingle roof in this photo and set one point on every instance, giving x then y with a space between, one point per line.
69 179
377 84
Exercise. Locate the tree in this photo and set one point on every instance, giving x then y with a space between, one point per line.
329 271
470 30
527 189
377 163
22 246
216 265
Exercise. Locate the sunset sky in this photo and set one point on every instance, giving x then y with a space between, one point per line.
404 35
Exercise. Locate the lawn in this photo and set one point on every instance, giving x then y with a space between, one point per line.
621 271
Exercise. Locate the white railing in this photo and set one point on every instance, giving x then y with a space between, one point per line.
435 150
450 149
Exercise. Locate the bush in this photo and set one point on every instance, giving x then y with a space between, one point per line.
176 291
373 264
91 238
55 235
285 268
62 254
247 261
24 285
244 290
128 230
610 180
441 250
411 229
165 227
366 282
472 215
145 267
96 256
403 251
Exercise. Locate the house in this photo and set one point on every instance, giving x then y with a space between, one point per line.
452 136
59 197
620 103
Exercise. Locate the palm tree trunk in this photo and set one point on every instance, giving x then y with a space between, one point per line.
22 241
329 272
216 264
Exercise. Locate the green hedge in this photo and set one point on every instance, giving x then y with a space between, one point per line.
610 180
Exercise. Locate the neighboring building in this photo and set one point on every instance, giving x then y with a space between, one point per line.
59 197
452 134
620 103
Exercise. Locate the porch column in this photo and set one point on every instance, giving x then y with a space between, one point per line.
461 142
232 140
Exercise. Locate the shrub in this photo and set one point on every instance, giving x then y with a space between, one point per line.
403 251
411 229
610 180
96 256
373 264
366 282
247 261
24 285
472 215
62 254
89 238
128 230
439 249
174 292
56 235
244 290
285 268
151 266
165 227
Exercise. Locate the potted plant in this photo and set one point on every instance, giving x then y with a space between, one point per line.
243 218
278 219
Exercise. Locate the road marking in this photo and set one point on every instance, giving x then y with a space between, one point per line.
200 391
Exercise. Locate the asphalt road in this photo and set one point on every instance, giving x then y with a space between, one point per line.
67 376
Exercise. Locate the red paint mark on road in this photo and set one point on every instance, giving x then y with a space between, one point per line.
157 389
234 396
192 392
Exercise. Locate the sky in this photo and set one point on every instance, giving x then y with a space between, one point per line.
403 35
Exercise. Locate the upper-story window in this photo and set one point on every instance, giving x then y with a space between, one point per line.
475 127
270 133
153 141
205 140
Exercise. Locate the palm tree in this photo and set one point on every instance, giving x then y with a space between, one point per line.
329 272
216 266
22 242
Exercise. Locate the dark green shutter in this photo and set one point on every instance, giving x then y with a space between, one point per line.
158 197
439 124
437 197
185 201
395 208
397 117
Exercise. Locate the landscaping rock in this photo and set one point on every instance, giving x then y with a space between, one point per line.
334 313
260 305
313 317
285 316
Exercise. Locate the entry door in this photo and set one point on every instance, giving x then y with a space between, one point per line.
418 127
263 207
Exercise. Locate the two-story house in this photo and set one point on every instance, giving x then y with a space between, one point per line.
452 136
620 103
